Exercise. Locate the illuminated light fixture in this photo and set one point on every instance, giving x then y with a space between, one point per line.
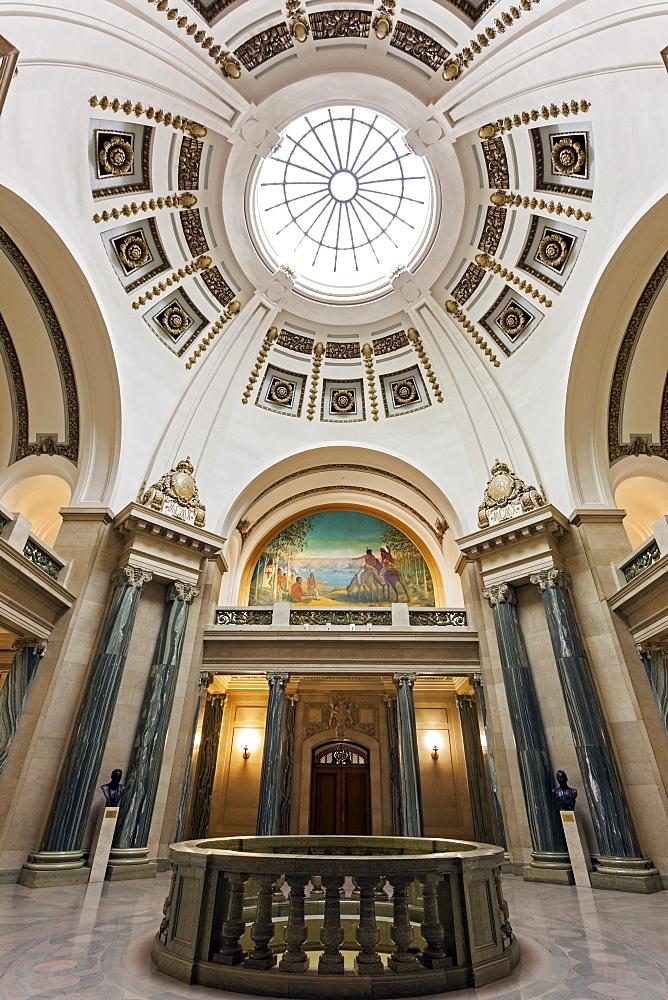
434 753
246 753
197 740
483 741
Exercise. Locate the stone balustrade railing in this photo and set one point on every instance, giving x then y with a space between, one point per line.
434 909
283 615
641 560
15 530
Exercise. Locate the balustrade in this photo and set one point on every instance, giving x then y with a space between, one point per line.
442 925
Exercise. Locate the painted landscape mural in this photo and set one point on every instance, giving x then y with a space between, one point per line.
341 558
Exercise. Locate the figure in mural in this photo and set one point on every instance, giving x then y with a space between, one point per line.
316 560
340 715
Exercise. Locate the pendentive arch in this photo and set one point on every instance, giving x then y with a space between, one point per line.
625 288
88 352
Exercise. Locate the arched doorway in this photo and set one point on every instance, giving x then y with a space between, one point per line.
340 794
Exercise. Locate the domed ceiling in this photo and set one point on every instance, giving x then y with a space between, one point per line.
342 214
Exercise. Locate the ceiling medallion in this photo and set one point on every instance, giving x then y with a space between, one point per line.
568 157
339 198
553 250
174 320
343 401
117 157
513 320
134 252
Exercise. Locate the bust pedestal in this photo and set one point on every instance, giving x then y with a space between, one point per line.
577 847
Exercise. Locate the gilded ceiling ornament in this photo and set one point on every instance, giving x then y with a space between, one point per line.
195 265
229 313
405 392
299 26
496 161
340 23
186 200
461 317
513 320
495 220
506 496
384 19
484 261
349 349
460 60
117 156
343 401
526 117
418 44
553 250
176 494
263 46
318 355
367 356
523 201
568 156
416 341
193 231
133 252
281 392
295 342
391 342
468 282
269 338
138 110
174 320
216 284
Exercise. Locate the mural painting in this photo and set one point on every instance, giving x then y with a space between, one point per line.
341 558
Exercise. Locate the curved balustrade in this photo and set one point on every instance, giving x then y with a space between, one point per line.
271 916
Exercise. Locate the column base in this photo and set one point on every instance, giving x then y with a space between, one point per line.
127 863
47 868
626 875
549 866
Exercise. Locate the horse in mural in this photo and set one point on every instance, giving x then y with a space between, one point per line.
366 579
390 576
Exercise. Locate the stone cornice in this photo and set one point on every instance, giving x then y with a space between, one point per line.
32 600
594 515
642 601
87 513
169 548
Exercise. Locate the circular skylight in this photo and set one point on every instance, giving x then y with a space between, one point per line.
343 203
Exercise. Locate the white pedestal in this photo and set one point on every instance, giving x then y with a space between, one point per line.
577 847
102 841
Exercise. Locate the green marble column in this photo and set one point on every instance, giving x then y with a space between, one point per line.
270 784
409 762
186 789
493 780
15 689
207 758
654 656
621 864
288 759
60 858
483 827
550 861
129 853
393 753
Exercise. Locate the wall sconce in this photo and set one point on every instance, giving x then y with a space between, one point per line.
246 753
483 740
434 753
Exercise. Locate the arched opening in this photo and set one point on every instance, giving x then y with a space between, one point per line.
39 498
340 789
645 499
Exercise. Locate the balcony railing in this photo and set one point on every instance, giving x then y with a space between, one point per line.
37 555
399 615
641 560
433 909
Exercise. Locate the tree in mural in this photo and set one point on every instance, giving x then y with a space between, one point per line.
282 550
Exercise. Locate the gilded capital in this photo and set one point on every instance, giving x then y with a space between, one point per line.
130 576
652 647
500 593
477 680
277 678
550 579
39 645
179 591
408 679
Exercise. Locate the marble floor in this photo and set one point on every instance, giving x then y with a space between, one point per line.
93 943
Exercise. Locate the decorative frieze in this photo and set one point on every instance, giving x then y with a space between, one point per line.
193 232
440 619
295 342
418 44
649 555
263 46
243 616
496 162
334 349
215 282
468 283
190 159
390 342
492 231
340 24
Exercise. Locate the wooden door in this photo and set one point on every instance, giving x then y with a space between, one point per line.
340 801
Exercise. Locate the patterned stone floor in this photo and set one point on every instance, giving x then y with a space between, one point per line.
92 943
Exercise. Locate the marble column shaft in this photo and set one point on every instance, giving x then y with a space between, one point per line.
409 762
654 656
186 789
483 830
395 775
288 757
28 653
607 802
80 773
207 759
493 780
138 800
547 835
270 783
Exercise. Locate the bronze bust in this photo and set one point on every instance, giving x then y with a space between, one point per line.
113 790
565 796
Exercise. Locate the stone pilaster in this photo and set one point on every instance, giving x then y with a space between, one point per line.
60 858
621 865
491 765
270 784
409 763
550 862
129 854
15 690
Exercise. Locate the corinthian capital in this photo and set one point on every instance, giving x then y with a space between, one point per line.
130 576
179 591
39 645
550 579
500 593
408 679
